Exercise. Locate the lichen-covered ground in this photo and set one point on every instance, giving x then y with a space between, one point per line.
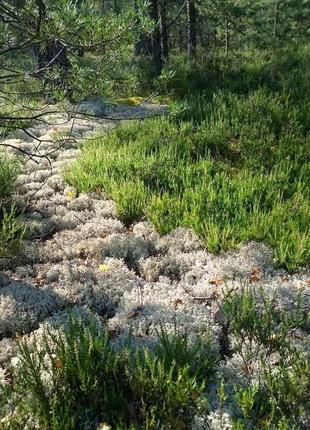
79 255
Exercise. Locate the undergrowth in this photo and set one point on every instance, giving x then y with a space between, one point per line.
274 358
76 377
242 173
8 175
12 232
11 229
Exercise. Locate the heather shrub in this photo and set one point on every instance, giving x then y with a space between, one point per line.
244 71
231 162
76 376
8 175
273 358
241 174
11 230
256 319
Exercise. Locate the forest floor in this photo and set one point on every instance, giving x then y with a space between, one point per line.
79 255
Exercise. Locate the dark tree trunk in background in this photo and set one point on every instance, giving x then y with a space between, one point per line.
155 46
276 17
226 37
191 29
143 45
50 52
162 12
157 53
181 40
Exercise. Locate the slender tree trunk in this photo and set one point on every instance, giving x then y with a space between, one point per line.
155 46
143 44
181 42
49 52
162 13
276 17
157 52
191 29
117 6
226 37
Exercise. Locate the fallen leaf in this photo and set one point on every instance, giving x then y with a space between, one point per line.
217 281
255 274
177 302
39 280
254 278
58 364
136 312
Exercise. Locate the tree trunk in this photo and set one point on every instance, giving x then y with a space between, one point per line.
162 13
143 44
191 29
49 52
275 24
117 6
156 46
181 40
157 52
226 37
52 54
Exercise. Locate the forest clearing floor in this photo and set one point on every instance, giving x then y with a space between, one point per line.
79 256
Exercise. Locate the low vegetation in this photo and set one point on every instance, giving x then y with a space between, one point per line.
78 376
11 230
232 166
8 175
277 397
105 324
86 379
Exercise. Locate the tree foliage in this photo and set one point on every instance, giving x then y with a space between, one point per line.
62 50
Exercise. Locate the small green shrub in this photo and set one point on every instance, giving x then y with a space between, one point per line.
279 397
12 232
178 350
243 72
77 376
8 175
252 318
207 178
280 400
232 162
